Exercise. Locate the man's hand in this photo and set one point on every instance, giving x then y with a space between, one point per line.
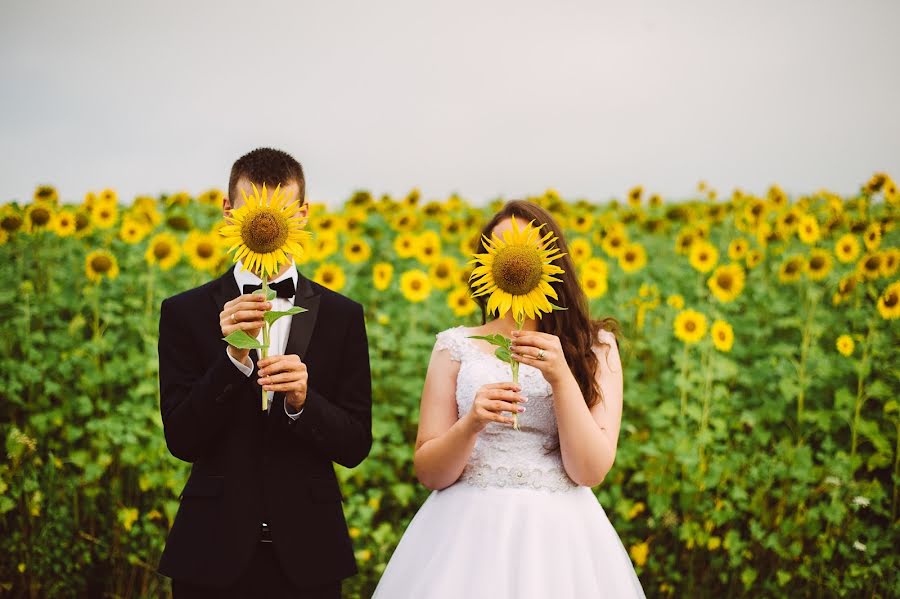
285 373
243 313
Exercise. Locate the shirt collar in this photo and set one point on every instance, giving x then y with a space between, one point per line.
245 277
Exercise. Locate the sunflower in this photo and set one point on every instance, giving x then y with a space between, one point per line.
690 326
845 345
109 196
872 236
846 286
99 264
405 245
10 219
703 256
847 248
415 285
331 276
327 224
819 264
64 223
582 222
580 249
684 241
869 266
83 226
163 250
4 236
405 221
38 216
461 302
727 282
202 250
722 335
104 214
428 247
889 302
676 300
212 197
357 250
516 272
791 269
889 262
133 231
46 193
754 257
614 242
737 249
382 274
633 258
443 272
808 229
322 247
597 265
264 230
787 222
594 284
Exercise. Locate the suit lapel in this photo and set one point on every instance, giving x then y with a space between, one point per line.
225 289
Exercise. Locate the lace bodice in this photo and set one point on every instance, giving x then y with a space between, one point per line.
502 456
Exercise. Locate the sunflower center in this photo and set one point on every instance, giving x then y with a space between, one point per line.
517 269
873 263
162 250
11 222
891 299
101 264
205 249
817 263
265 231
690 326
725 281
40 216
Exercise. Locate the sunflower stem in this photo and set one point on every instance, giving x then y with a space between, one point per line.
265 345
514 366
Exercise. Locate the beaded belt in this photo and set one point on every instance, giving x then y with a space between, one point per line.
482 475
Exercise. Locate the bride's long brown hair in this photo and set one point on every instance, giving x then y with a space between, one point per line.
576 330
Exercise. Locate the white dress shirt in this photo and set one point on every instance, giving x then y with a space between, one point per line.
278 332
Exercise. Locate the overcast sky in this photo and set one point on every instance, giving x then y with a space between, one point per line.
481 97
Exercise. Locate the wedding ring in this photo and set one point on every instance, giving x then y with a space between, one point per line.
232 317
540 355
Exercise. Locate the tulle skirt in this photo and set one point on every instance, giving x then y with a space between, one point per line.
469 542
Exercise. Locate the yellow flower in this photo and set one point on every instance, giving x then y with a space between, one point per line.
415 286
808 229
582 222
597 265
428 247
580 250
327 225
264 230
737 249
46 193
594 284
614 243
133 231
889 261
212 197
331 276
83 226
872 236
727 282
714 543
104 214
847 248
632 258
405 221
461 302
722 335
516 272
634 196
676 300
405 245
889 302
382 274
703 256
39 216
819 264
163 250
639 553
791 269
10 219
201 250
99 264
845 344
683 242
64 223
443 272
323 246
869 265
787 222
690 326
636 510
754 257
357 250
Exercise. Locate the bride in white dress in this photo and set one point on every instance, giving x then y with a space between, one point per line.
512 514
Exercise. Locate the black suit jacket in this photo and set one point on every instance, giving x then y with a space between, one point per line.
251 466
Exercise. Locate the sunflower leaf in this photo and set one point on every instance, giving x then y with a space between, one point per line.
495 339
503 354
555 307
273 315
242 340
270 295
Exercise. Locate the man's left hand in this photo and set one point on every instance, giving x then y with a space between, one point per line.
285 373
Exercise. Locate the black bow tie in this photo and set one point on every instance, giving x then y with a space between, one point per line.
283 288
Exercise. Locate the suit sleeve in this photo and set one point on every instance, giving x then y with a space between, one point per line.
340 427
195 400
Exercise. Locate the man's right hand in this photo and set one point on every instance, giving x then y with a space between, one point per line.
243 313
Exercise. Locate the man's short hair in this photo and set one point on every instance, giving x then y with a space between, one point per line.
269 166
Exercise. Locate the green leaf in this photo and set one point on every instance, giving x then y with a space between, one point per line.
555 307
503 354
273 315
495 339
242 340
270 295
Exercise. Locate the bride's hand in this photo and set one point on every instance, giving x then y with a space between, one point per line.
491 400
541 350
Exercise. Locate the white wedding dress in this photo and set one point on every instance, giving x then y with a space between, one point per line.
514 525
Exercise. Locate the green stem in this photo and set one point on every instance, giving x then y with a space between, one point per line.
704 420
805 343
265 347
514 366
684 363
860 396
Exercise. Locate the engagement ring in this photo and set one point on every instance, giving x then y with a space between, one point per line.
540 355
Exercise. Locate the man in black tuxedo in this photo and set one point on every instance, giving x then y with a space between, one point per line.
261 514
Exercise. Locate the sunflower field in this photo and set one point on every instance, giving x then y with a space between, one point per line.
760 448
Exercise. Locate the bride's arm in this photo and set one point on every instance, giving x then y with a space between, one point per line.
445 441
588 437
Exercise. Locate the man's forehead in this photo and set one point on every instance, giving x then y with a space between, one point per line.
290 189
